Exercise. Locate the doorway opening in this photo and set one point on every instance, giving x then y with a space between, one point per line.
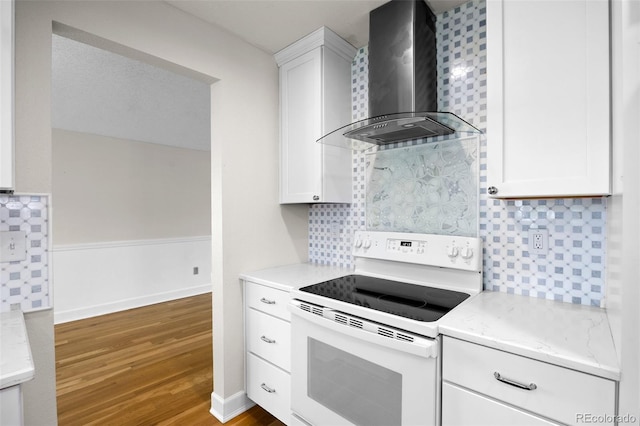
131 140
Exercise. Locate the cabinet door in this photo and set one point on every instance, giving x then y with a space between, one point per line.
269 338
300 127
461 407
269 387
560 393
548 98
336 112
6 95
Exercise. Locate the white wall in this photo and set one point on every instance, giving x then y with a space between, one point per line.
250 229
112 189
100 278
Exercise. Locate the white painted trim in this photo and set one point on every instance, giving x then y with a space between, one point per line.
7 100
105 277
323 36
129 243
226 409
122 305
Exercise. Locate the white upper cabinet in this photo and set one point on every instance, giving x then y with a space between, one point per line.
315 98
548 117
6 95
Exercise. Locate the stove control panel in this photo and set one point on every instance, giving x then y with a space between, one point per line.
425 249
406 246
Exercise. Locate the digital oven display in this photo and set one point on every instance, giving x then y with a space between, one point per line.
405 243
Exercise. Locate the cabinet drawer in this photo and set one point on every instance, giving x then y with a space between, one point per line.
269 387
270 338
482 411
561 394
267 299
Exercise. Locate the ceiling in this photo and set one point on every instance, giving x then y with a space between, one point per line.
274 24
101 92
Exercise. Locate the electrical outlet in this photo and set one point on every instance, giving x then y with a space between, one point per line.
335 228
538 240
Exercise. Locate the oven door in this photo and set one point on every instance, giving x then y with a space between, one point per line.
342 374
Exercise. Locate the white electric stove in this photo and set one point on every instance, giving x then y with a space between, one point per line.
365 346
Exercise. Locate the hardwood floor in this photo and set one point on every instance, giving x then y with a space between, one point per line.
145 366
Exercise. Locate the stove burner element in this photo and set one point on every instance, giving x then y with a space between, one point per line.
412 301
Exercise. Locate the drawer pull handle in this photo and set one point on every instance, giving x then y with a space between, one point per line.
531 386
267 301
266 339
267 388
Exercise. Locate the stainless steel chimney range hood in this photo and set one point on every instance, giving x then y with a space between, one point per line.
402 82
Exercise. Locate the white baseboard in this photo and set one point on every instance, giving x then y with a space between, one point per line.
226 409
101 278
122 305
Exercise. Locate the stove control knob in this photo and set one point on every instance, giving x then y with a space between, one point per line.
366 244
467 253
452 252
358 243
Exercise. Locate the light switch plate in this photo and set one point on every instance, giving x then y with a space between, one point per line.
13 246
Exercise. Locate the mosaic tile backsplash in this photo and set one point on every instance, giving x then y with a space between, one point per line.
25 285
573 269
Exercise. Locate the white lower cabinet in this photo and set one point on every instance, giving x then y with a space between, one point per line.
268 349
11 412
269 387
464 407
269 338
485 386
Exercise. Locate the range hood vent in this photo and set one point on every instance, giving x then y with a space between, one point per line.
402 82
391 128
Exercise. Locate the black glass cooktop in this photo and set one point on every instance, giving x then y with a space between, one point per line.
407 300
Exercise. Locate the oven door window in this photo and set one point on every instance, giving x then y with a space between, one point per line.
358 390
345 376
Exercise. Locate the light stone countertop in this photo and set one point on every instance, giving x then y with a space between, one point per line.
564 334
16 363
289 277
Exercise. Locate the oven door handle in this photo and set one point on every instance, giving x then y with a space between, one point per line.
421 346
